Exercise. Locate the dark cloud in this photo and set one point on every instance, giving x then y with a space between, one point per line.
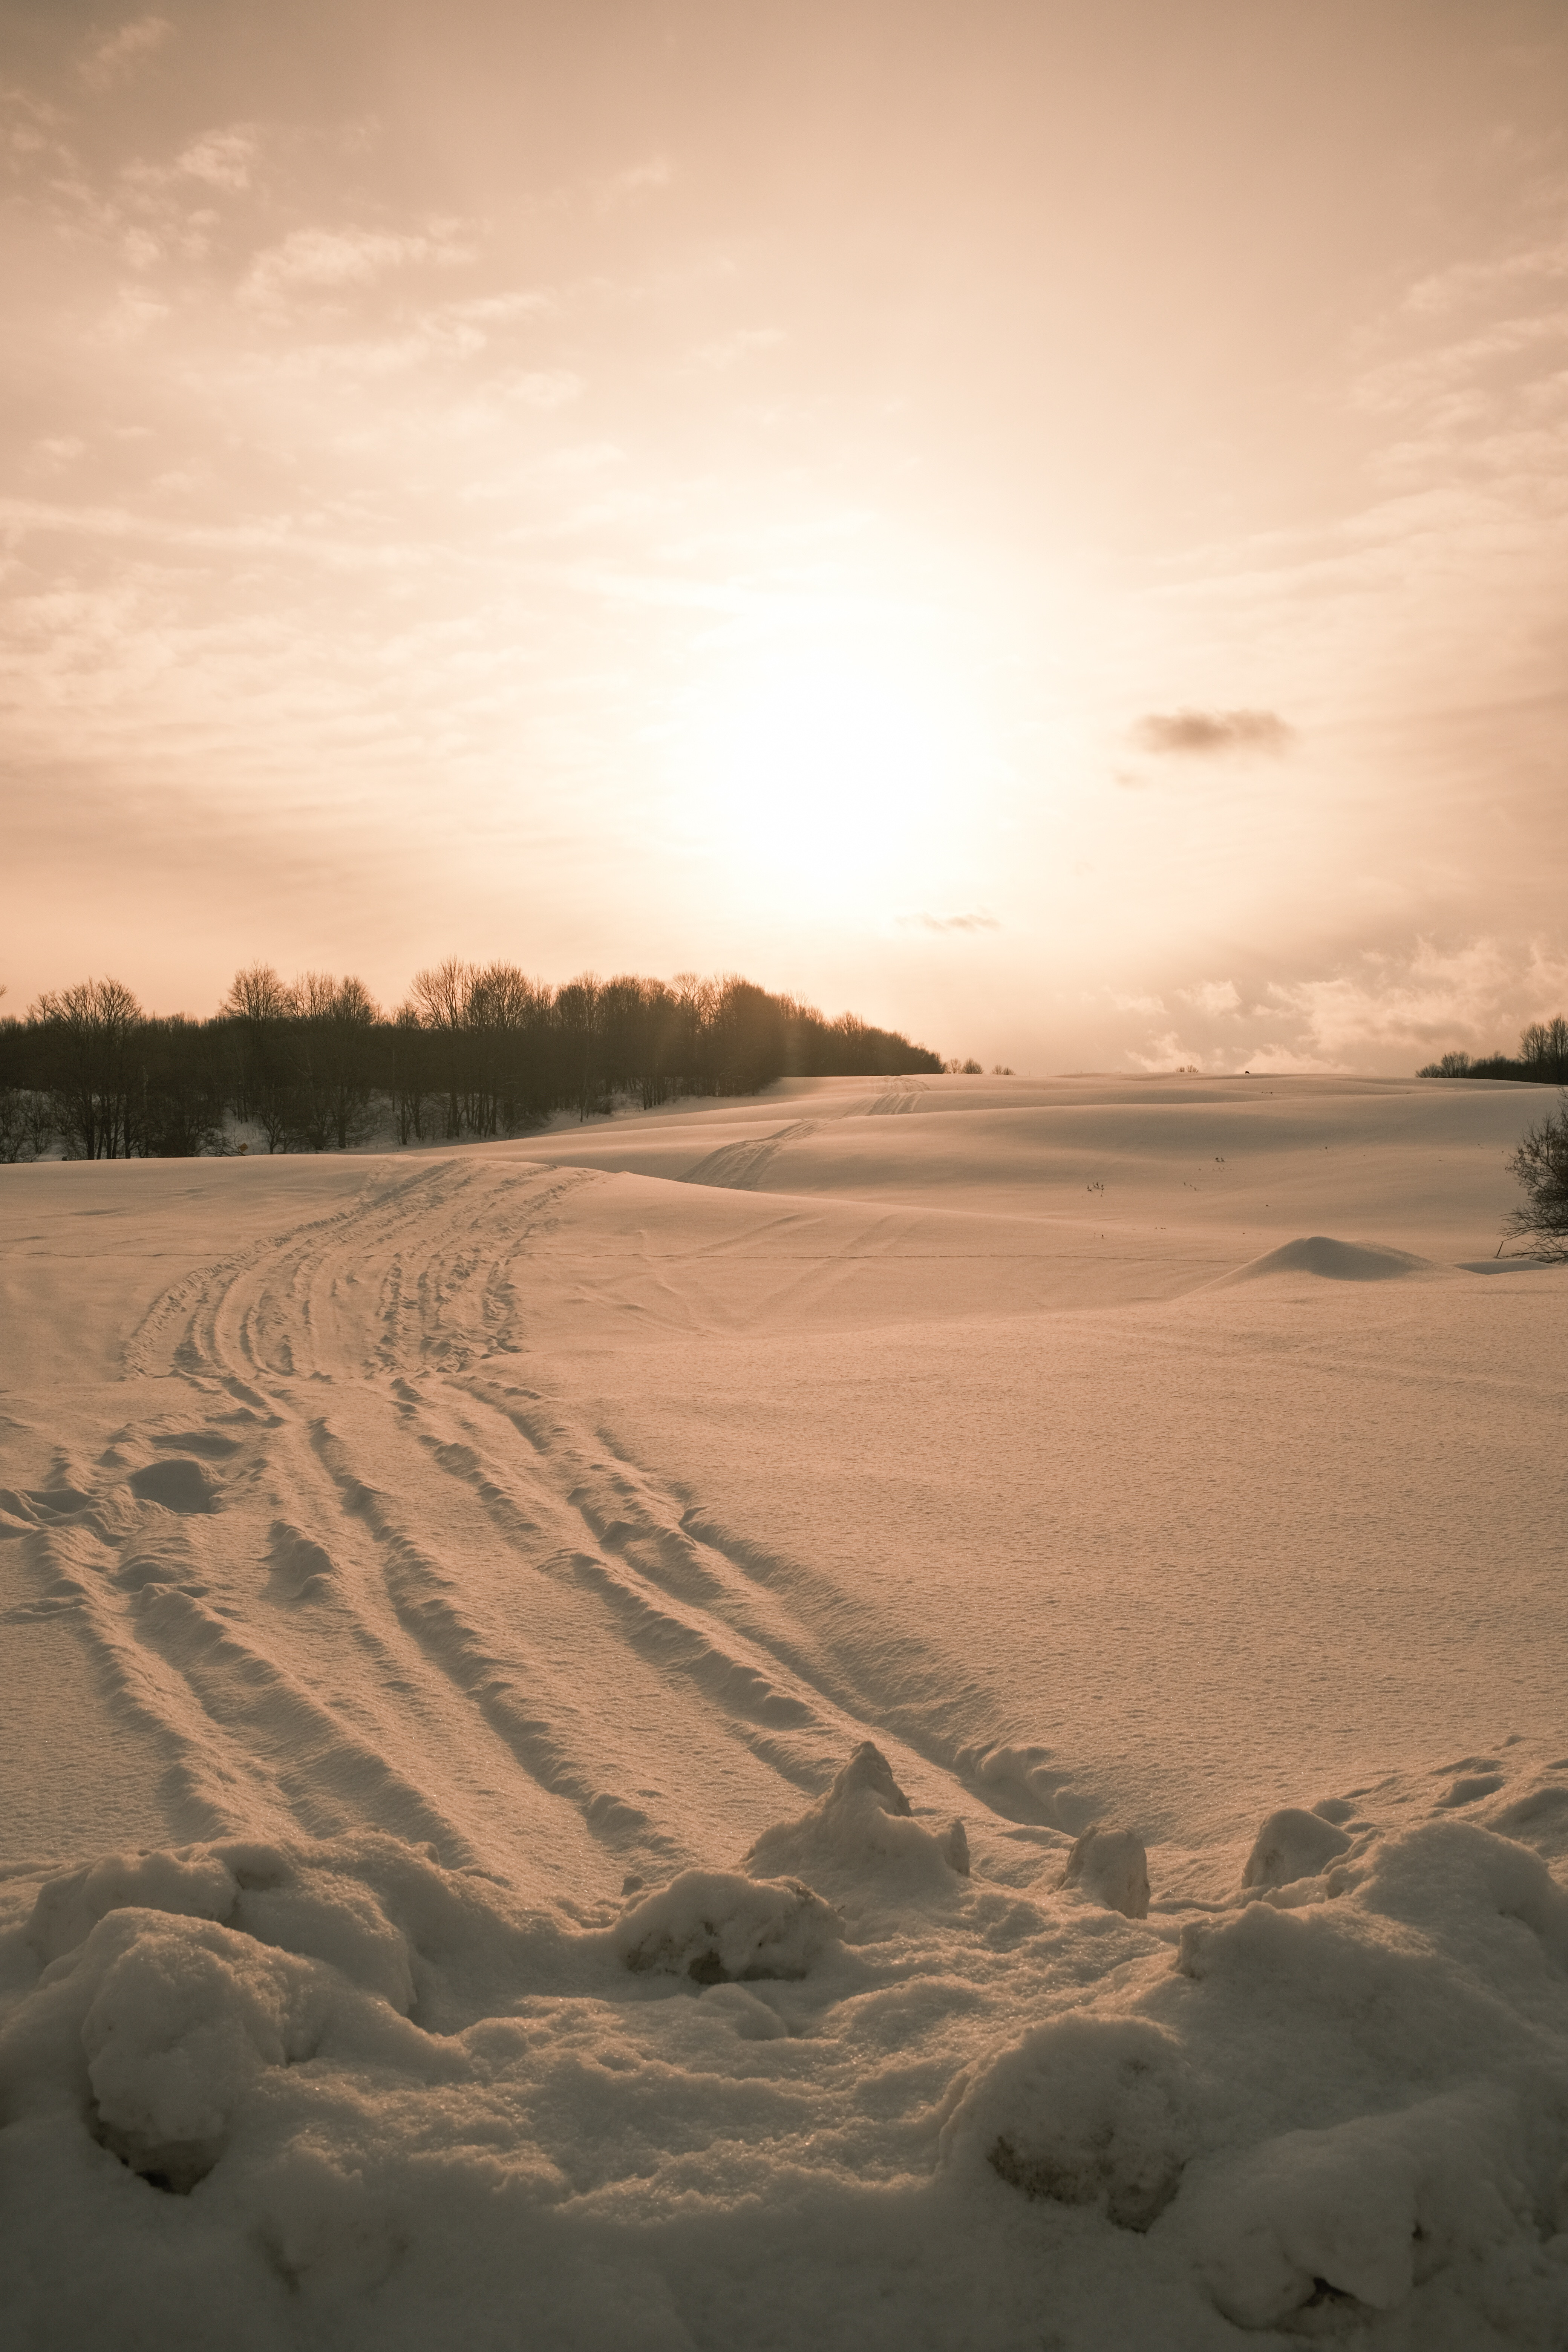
1212 731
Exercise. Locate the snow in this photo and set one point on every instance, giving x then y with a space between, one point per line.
898 1714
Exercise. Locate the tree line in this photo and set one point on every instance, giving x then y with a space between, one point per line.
1542 1059
477 1050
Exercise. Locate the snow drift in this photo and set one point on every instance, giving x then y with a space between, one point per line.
340 2084
1332 1261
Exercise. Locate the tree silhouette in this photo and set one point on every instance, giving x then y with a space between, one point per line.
92 1032
478 1050
1541 1166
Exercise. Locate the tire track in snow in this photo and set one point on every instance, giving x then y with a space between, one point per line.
738 1599
180 1332
329 1781
740 1167
695 1701
734 1660
201 1796
162 1595
495 1680
900 1098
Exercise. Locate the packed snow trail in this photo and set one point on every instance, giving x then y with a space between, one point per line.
598 1759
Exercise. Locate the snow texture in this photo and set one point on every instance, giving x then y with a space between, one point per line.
780 1724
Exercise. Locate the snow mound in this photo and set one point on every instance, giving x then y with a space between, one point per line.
1110 1867
717 1927
179 1485
1085 2111
1355 2216
1293 1844
372 2091
862 1827
1334 1261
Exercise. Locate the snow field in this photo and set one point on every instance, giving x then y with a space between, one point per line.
603 1759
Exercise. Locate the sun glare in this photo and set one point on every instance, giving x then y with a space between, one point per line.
835 768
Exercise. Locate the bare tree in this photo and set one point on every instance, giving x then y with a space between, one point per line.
27 1124
579 1023
409 1072
1541 1166
1544 1049
259 1007
94 1027
332 1054
440 997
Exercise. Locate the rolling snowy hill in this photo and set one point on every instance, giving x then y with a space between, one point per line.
908 1713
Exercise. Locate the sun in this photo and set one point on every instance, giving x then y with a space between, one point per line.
831 765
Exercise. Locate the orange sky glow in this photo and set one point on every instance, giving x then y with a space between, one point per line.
1045 524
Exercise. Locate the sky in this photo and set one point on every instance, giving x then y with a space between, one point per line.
1045 524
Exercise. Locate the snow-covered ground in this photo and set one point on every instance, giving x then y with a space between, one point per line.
498 1643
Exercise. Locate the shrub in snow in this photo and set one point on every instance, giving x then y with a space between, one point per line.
1110 1867
717 1928
1086 2111
1292 1844
1540 1165
863 1824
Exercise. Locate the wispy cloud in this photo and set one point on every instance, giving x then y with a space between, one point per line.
223 159
111 60
727 350
1199 733
1463 283
333 261
976 921
634 184
1213 997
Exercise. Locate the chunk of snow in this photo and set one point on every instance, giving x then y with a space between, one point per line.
1110 1867
1086 2110
1361 2208
862 1827
717 1927
1293 1844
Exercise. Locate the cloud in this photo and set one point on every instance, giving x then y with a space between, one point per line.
1465 282
223 159
543 387
629 187
974 921
336 261
1389 1010
1212 733
1213 997
1477 997
728 349
1165 1053
120 55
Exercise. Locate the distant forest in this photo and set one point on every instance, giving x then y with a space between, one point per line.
1543 1058
477 1050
